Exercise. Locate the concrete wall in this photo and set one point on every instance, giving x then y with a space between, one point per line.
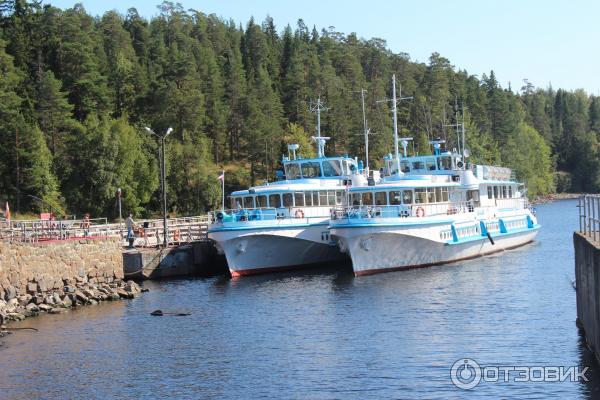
37 268
587 278
197 258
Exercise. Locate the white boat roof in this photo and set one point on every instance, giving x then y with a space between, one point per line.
291 186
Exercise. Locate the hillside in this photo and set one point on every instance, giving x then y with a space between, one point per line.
77 91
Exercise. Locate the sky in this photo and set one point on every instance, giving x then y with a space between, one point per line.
548 42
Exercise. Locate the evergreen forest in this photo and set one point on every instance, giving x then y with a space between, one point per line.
77 90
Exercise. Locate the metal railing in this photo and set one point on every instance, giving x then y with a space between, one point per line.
148 232
33 231
589 215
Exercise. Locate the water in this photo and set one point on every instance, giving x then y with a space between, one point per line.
319 335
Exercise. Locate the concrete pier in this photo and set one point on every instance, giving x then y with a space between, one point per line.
587 278
196 258
587 270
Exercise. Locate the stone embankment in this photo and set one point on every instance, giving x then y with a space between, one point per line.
74 293
55 276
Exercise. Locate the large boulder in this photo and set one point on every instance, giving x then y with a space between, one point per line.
11 293
66 301
81 297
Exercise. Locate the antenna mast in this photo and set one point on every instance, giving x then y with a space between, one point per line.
317 108
462 106
362 99
394 104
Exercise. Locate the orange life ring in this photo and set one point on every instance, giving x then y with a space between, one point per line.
299 213
420 212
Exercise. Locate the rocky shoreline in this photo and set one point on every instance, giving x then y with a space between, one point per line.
75 293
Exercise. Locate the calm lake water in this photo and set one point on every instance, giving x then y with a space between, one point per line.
320 334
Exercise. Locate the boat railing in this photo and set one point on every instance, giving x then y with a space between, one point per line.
589 216
512 203
403 211
270 214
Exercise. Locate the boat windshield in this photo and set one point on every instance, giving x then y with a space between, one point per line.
311 169
332 168
292 171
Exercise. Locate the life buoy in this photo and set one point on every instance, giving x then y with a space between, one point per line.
299 213
420 212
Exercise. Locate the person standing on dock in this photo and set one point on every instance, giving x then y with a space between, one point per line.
130 224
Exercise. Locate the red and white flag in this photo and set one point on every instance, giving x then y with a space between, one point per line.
221 177
7 212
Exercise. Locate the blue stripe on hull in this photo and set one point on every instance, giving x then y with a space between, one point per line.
496 235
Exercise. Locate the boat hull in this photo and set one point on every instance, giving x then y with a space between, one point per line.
265 250
376 250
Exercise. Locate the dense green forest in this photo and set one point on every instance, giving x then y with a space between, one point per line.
76 92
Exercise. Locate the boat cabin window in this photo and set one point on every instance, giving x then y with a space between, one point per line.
404 166
339 197
407 197
380 198
332 168
311 169
510 192
496 192
431 195
418 165
395 197
445 163
275 200
299 199
355 199
292 171
430 164
288 200
308 199
248 202
235 203
489 190
504 192
445 195
261 201
367 199
438 194
323 197
420 195
315 198
331 197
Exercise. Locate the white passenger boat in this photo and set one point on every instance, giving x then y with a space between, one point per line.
284 224
431 210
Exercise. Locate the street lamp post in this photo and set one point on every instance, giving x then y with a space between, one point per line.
120 214
163 174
